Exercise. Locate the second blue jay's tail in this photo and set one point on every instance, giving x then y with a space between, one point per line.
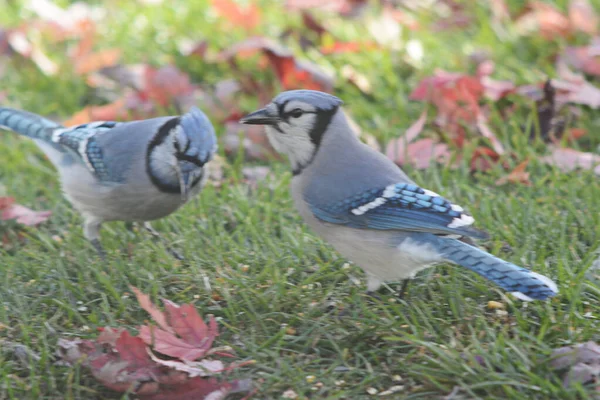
27 124
523 283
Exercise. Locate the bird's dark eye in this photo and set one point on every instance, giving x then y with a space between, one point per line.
296 113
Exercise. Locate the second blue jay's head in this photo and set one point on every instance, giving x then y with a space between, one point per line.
179 151
295 122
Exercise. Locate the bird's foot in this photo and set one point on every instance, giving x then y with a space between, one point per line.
99 248
174 253
403 289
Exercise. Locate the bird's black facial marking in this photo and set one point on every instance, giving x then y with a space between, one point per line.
322 122
194 160
163 133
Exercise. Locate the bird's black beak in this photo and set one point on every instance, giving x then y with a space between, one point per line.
261 117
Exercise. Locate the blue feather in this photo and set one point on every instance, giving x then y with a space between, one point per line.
401 206
524 283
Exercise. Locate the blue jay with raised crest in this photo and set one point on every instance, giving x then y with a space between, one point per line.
368 208
134 171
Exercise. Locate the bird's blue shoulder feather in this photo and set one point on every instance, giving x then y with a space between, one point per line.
81 140
400 206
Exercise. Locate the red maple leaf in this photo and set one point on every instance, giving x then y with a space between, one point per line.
126 363
291 72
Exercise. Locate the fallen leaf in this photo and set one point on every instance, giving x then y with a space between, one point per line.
166 85
386 31
126 363
496 90
95 61
346 8
356 78
157 315
201 388
19 42
292 73
483 159
23 215
419 154
416 128
583 17
247 17
584 58
456 15
170 345
570 159
455 95
193 369
347 47
500 10
543 18
577 92
486 132
312 24
110 112
255 174
517 175
71 19
190 326
582 362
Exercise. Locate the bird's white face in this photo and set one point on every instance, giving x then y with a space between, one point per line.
291 135
296 122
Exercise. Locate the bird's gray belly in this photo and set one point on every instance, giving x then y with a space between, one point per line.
136 201
387 255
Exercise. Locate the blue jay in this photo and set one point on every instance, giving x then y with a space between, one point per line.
367 208
123 171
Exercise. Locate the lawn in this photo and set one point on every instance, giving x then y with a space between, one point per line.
282 296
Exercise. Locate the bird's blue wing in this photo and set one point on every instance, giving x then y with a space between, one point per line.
81 141
400 206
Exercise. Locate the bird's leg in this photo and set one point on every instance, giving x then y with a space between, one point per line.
373 284
91 231
130 226
403 288
159 238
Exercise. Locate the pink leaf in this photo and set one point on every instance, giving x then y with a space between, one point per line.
24 215
419 154
397 147
193 369
485 130
170 345
570 159
157 315
188 324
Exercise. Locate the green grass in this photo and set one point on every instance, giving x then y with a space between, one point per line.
278 311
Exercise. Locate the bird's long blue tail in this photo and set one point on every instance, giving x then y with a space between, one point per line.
523 283
27 124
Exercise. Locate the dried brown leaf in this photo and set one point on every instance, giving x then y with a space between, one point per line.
517 175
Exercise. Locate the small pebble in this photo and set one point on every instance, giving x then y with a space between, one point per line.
495 305
310 378
501 313
392 390
289 394
372 391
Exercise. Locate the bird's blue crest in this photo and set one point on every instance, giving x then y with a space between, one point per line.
321 100
200 134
